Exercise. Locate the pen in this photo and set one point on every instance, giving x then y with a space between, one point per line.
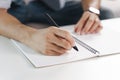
52 20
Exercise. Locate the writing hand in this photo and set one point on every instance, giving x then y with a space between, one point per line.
51 41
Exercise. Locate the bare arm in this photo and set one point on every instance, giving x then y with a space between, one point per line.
90 3
49 41
89 22
12 28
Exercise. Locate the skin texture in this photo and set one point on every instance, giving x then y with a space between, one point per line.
89 22
49 41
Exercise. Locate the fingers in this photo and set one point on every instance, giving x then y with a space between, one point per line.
55 50
51 53
63 35
80 24
94 27
51 41
59 41
98 29
89 23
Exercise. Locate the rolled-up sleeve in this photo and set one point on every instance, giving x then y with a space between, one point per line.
5 3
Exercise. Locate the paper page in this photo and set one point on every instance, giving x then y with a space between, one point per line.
106 42
39 60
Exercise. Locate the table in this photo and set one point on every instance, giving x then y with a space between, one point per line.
14 65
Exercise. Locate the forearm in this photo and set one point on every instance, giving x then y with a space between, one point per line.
90 3
12 28
49 41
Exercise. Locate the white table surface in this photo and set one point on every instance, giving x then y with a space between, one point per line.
14 66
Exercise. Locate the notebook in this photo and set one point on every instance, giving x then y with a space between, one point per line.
106 42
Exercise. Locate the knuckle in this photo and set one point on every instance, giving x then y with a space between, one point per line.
52 28
91 20
67 45
97 21
49 37
67 34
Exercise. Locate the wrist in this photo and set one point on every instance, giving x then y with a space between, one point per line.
94 10
26 34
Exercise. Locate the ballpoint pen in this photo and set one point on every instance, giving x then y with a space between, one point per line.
52 20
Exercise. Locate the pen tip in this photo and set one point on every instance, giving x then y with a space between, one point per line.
75 47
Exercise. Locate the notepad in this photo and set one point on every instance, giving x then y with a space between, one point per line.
107 42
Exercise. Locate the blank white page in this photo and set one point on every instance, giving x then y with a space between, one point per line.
106 42
39 60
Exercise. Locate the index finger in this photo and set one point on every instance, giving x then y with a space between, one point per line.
79 26
64 34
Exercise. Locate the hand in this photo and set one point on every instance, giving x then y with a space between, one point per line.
89 23
51 41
